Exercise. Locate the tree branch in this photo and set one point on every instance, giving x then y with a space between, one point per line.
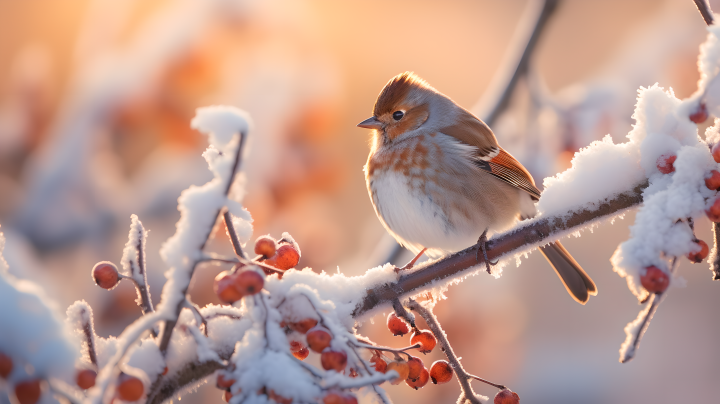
704 8
497 98
538 231
462 376
170 324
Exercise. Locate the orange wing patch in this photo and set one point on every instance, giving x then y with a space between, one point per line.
505 167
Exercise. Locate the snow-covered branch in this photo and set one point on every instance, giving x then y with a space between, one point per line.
519 240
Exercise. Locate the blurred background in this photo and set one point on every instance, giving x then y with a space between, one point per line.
96 98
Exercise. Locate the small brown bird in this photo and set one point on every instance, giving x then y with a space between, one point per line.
438 178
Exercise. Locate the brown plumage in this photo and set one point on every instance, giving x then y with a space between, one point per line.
438 178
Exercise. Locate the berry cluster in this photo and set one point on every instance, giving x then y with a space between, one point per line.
654 279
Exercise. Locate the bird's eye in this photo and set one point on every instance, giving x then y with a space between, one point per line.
397 115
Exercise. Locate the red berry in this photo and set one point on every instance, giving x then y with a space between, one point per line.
716 152
700 115
506 397
441 372
713 212
165 371
401 367
224 383
28 391
334 397
286 257
86 378
654 280
265 246
105 274
380 364
666 163
303 325
249 282
129 388
698 256
225 287
336 360
6 365
302 353
425 338
227 395
713 181
397 325
296 346
420 381
278 398
318 338
416 366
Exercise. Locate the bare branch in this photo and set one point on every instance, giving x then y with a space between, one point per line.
530 28
704 8
527 234
462 376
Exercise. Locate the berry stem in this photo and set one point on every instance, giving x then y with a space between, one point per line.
387 349
404 314
434 324
497 386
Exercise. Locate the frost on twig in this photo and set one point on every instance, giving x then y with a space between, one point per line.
133 262
80 317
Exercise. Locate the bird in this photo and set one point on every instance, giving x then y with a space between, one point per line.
438 179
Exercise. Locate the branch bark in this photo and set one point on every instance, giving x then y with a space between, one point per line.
536 232
517 60
704 8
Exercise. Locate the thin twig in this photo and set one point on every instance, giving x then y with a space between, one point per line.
704 8
233 235
715 264
645 316
517 60
462 376
170 324
199 318
529 233
387 349
89 331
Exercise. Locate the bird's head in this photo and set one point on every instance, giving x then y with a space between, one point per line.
402 106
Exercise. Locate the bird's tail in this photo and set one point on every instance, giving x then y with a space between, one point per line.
576 281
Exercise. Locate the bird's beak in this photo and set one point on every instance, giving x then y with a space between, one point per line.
371 123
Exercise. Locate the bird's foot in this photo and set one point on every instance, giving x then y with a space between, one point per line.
482 244
412 262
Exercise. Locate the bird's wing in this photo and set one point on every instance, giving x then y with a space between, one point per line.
490 157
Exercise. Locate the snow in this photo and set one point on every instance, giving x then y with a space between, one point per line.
33 333
130 258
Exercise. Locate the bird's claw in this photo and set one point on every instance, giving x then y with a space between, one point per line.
482 243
